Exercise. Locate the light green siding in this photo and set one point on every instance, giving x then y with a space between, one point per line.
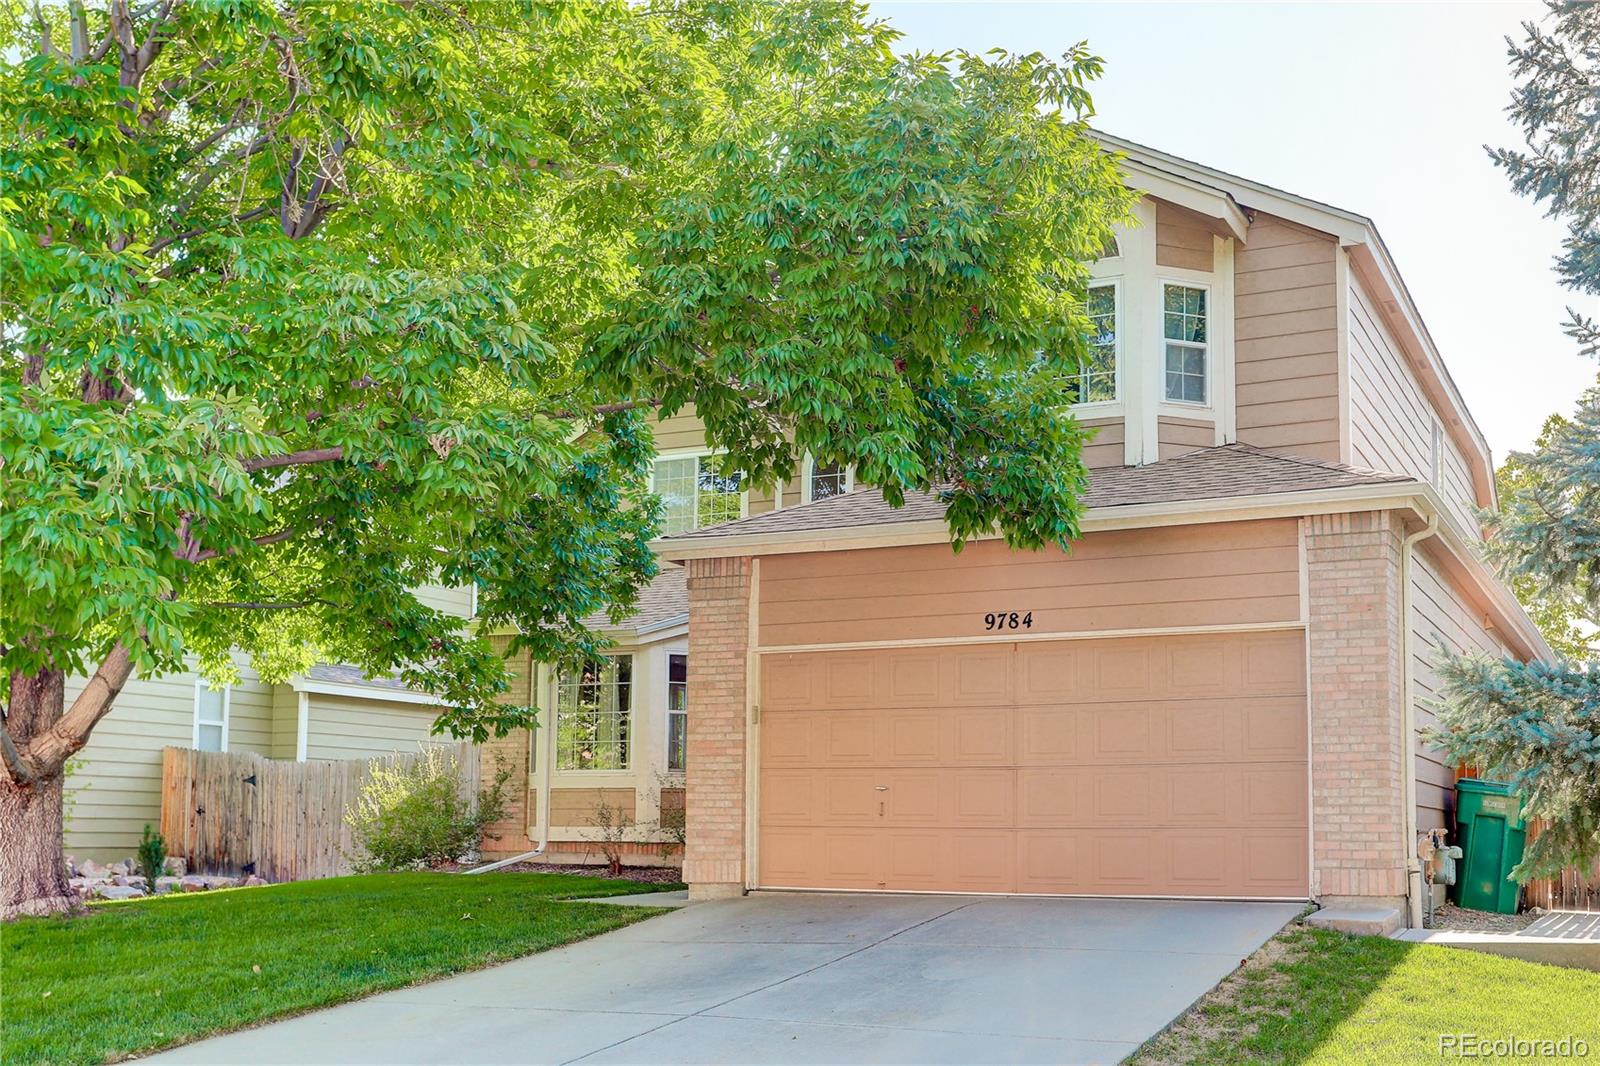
116 788
345 728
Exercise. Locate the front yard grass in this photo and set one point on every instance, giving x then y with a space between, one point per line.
145 974
1319 997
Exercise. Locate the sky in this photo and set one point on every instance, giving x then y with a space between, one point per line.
1382 109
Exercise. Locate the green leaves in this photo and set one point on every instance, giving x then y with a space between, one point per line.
310 305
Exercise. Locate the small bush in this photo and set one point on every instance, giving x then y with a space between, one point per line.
152 857
414 816
612 825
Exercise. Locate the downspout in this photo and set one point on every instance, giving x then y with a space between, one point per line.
548 765
1408 720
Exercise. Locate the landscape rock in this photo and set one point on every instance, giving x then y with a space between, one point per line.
93 870
72 866
175 866
192 883
136 880
104 891
254 882
220 882
166 884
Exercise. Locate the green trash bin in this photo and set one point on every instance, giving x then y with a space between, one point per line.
1492 834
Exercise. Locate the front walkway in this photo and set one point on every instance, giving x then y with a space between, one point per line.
798 978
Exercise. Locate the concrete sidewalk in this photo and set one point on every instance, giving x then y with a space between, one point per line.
792 978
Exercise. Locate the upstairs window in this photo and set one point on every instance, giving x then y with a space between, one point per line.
594 715
822 482
694 495
677 712
1097 379
1183 316
210 716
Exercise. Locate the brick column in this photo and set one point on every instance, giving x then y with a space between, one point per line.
719 637
509 836
1356 687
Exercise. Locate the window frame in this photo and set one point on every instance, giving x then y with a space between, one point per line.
671 714
1207 349
1087 408
226 691
555 721
699 454
808 464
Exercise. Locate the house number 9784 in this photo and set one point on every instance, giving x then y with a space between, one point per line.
1008 620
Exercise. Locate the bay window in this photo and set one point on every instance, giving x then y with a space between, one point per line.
677 712
1183 317
1097 379
594 715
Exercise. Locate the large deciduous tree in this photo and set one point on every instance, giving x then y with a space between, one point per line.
308 304
1538 724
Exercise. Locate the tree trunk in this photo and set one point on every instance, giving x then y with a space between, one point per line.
33 867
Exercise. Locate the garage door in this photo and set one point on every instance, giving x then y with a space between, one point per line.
1169 766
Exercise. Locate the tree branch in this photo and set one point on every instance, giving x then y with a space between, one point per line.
47 751
304 458
271 538
601 410
174 238
15 766
263 606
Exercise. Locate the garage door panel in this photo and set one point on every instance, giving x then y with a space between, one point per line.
1139 766
1049 861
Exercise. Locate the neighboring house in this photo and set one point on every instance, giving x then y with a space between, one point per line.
332 712
1218 692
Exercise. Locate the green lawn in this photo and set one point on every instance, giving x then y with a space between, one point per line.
144 974
1312 996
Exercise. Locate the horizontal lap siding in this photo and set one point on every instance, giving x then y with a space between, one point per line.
116 790
1105 448
1223 574
1183 239
1391 418
1286 340
360 729
456 600
1178 436
1439 612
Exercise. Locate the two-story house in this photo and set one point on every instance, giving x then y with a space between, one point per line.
1218 692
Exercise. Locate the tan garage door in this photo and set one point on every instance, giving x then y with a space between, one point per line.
1150 766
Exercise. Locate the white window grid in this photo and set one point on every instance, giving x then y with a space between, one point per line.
1097 378
594 715
694 494
677 712
1184 322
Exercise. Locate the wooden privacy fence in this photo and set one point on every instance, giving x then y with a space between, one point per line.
241 813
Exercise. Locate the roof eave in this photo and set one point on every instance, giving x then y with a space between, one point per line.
1420 499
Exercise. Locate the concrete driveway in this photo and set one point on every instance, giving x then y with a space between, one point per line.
806 978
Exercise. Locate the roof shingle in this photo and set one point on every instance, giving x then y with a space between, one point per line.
1209 473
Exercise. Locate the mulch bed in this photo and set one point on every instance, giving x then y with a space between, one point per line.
644 875
1469 921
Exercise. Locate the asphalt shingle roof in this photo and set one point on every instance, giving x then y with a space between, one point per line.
1209 473
345 674
665 599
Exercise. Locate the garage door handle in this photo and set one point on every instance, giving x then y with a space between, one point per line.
881 788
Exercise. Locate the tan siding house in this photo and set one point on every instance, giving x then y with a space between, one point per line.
1220 691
